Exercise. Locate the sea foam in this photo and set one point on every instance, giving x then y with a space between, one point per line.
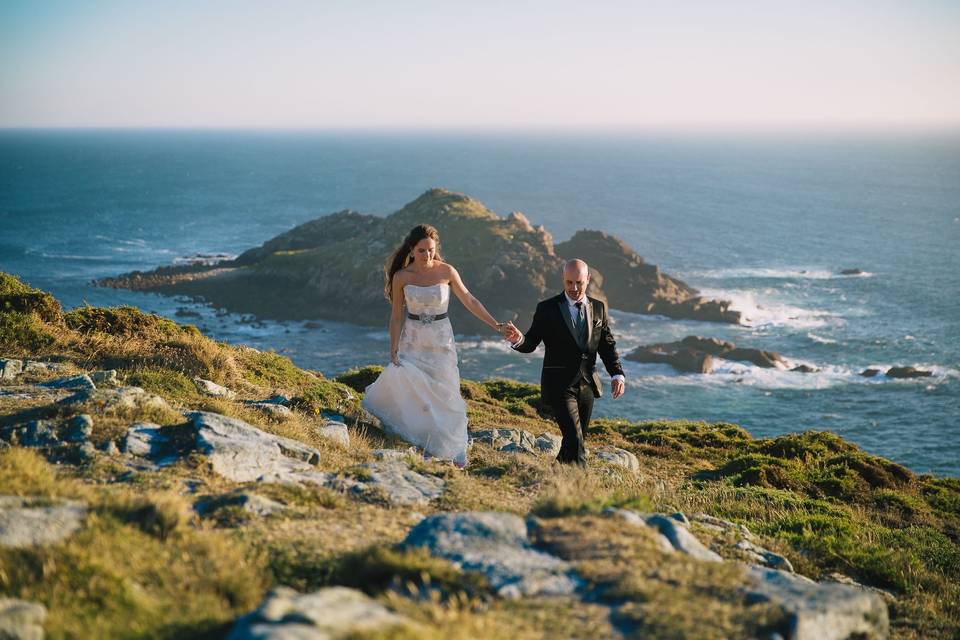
766 313
776 273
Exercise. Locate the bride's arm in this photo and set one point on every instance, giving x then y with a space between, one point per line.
396 317
471 303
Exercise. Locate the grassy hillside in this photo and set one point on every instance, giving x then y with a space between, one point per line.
146 564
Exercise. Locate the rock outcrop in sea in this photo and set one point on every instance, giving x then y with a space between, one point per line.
331 268
695 354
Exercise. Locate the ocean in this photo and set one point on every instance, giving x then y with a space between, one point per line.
766 221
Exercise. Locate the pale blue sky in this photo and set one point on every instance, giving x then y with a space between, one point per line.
419 64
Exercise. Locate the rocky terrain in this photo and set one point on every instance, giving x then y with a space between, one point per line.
332 268
155 483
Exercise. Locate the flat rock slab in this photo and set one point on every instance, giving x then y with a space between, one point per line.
32 391
518 441
106 377
105 400
820 611
328 614
21 620
251 503
673 529
617 456
763 556
151 441
718 524
26 522
242 453
35 433
9 368
549 443
635 519
213 389
495 545
335 431
395 454
37 366
273 410
81 381
79 428
681 538
397 482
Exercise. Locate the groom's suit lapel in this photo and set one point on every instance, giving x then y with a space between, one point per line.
564 310
589 310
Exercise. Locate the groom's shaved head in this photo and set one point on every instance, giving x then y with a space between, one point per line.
575 266
576 275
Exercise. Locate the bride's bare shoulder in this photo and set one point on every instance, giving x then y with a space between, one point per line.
447 269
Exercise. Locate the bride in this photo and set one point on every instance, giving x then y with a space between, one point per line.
417 397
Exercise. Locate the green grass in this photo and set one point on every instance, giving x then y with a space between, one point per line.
373 570
128 566
272 370
24 334
167 383
574 492
327 395
813 497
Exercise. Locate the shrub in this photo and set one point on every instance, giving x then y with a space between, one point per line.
18 297
360 378
24 334
124 321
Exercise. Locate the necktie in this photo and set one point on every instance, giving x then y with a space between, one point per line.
578 320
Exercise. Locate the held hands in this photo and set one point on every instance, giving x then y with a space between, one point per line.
510 333
618 386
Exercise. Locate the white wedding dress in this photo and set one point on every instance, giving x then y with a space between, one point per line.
420 400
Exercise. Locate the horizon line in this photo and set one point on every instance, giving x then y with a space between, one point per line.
704 129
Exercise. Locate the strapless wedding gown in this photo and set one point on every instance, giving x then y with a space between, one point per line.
420 400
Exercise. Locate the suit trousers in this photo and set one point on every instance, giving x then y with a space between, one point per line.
572 409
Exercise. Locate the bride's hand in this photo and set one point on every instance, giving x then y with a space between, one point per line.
395 358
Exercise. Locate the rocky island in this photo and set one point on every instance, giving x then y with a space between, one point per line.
695 354
156 483
331 268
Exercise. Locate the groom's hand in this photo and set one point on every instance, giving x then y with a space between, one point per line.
618 386
511 333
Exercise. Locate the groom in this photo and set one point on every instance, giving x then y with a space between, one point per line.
574 330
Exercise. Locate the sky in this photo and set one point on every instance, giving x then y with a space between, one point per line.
409 64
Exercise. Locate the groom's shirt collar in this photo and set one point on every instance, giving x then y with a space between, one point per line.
571 303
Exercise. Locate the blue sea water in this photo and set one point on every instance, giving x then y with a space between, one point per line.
768 222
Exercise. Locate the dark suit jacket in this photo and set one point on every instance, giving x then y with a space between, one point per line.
564 362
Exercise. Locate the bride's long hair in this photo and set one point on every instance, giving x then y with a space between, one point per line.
404 254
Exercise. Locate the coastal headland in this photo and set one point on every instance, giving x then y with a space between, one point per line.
157 483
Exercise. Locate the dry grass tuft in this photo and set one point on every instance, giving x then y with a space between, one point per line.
24 472
161 515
